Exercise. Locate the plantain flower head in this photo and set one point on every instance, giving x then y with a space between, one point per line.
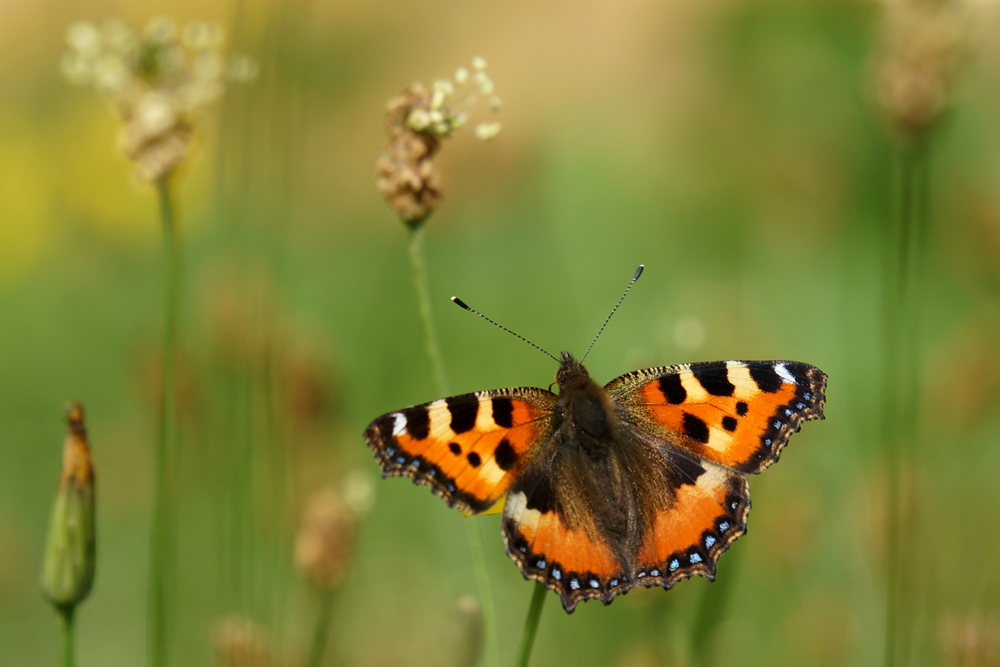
154 79
923 46
418 121
326 537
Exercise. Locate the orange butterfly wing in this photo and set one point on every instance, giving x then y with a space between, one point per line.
468 449
738 414
688 536
698 516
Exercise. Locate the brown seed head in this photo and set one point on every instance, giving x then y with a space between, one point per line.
241 642
406 174
324 541
418 120
972 640
923 45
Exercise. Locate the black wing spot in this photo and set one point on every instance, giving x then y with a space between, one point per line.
742 408
474 459
715 383
418 422
463 411
541 497
766 377
504 455
503 412
672 389
455 448
729 423
696 428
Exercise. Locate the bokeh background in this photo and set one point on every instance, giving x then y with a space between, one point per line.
730 146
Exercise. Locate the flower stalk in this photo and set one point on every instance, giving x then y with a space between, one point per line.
902 329
531 625
161 531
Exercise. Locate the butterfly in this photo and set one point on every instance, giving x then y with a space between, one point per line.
641 482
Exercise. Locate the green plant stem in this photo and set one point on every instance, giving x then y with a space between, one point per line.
66 635
902 389
712 610
485 592
531 625
431 345
433 350
160 548
322 630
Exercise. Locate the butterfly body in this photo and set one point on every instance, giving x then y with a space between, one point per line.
640 482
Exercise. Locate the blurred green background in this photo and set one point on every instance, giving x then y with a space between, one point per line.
729 146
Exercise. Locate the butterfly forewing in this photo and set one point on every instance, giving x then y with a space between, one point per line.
468 448
738 414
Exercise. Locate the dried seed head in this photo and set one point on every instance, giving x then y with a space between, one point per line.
153 81
325 538
71 549
406 174
241 642
923 45
970 641
418 121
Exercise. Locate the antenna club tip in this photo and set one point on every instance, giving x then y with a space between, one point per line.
638 272
459 302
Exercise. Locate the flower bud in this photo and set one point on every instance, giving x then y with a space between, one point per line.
70 552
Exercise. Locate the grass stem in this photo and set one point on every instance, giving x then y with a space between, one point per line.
322 630
906 245
161 547
531 625
431 345
433 350
66 635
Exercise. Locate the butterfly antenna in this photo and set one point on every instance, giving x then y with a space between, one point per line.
471 310
638 272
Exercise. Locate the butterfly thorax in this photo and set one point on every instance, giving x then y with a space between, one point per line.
584 408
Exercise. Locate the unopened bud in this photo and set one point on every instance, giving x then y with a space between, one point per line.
70 552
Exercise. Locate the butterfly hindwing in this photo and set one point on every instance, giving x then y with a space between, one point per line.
468 448
684 511
738 414
569 557
688 535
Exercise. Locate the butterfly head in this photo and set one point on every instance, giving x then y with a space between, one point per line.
571 374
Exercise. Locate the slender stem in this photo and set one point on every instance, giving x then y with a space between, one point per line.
431 344
712 611
433 350
161 528
322 630
902 388
66 635
490 633
531 625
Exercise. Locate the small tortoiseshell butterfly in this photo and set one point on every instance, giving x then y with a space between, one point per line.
637 483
